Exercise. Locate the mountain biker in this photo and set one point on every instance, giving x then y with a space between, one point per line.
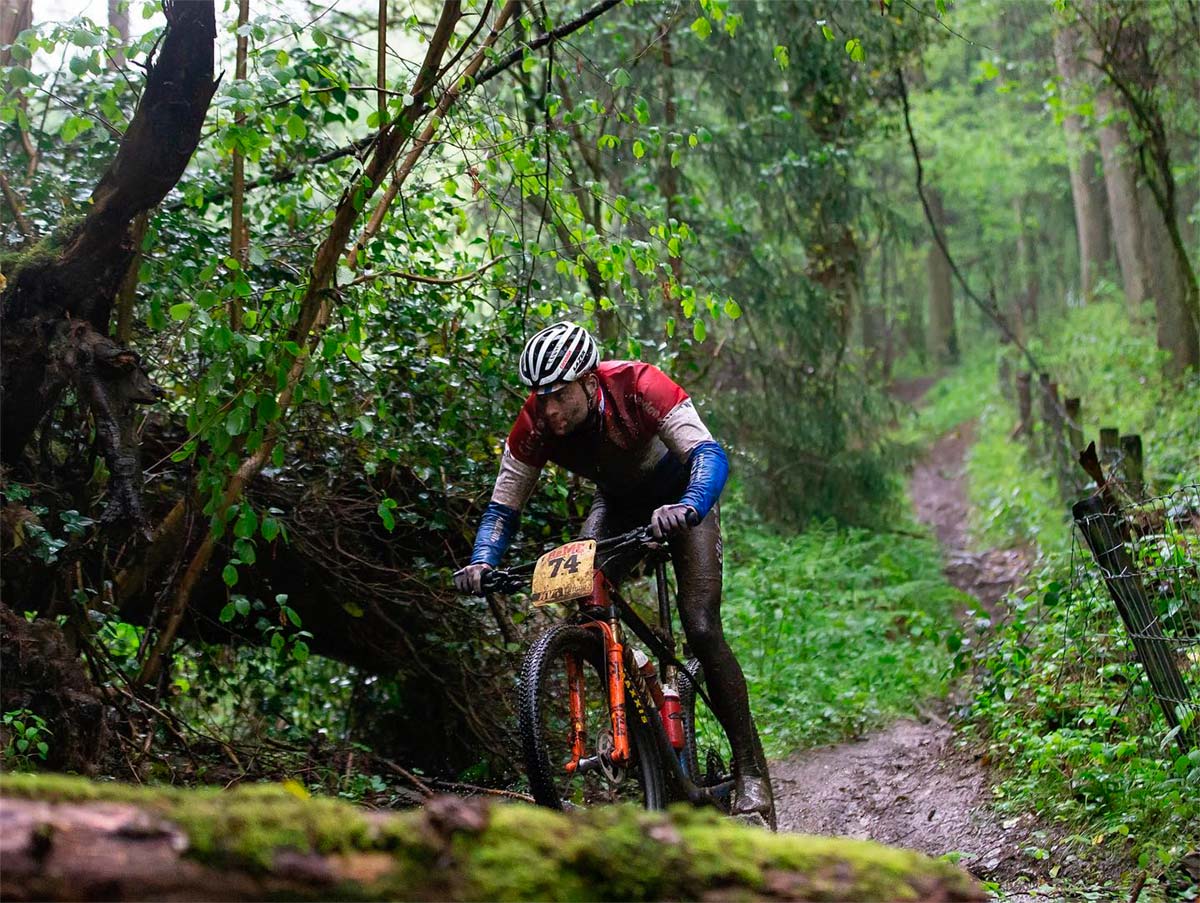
634 432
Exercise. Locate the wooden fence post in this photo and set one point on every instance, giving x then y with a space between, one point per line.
1064 463
1132 465
1107 535
1024 405
1075 443
1047 405
1109 448
1074 425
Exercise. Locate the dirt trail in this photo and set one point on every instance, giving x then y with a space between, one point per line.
908 785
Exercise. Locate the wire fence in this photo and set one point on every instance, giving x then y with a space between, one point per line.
1134 616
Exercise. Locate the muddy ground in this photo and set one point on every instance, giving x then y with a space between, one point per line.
910 784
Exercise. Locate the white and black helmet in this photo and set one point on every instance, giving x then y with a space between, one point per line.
559 353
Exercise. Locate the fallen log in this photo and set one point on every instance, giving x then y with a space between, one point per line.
67 838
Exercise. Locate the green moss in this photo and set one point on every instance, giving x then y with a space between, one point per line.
43 251
616 853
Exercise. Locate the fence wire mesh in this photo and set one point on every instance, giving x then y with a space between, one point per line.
1135 608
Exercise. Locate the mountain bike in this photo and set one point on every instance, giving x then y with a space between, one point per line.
600 721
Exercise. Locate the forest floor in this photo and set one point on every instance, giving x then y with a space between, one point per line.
910 784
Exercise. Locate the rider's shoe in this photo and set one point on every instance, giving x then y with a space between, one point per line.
752 800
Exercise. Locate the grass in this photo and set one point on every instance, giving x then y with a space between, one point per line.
1066 715
837 629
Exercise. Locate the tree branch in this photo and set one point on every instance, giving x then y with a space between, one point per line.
555 35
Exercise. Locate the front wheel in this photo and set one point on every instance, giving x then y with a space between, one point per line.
546 731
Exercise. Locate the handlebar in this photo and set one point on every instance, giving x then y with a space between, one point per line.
514 579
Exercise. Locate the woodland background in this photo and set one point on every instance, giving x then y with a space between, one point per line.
267 269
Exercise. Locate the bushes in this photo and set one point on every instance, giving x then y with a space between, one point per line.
838 629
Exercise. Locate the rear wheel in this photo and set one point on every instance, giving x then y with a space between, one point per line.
545 725
706 754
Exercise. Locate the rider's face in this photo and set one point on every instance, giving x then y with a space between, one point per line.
567 409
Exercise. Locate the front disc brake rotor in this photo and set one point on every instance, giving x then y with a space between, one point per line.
614 773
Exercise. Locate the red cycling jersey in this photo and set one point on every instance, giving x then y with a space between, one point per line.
644 441
643 416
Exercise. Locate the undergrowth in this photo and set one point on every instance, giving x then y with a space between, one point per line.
838 629
1065 711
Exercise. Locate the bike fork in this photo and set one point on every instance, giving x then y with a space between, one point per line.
614 659
578 727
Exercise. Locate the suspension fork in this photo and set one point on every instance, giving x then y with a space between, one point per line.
578 727
614 658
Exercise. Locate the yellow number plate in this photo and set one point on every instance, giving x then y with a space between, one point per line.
564 573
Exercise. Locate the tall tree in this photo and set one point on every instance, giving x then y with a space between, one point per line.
1087 186
1135 129
941 334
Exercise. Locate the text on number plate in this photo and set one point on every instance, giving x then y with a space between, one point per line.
564 573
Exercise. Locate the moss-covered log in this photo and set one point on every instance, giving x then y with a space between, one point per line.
70 839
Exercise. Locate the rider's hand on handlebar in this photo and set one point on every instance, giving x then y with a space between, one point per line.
672 520
469 580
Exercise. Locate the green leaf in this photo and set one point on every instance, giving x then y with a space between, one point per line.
702 28
854 48
230 575
639 149
296 128
353 609
236 422
699 330
732 309
827 32
385 515
226 614
621 78
270 528
180 311
247 523
300 651
291 614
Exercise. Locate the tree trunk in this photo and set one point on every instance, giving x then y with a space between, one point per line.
1122 52
941 337
1087 190
1174 327
15 17
118 18
873 320
57 306
68 839
1120 182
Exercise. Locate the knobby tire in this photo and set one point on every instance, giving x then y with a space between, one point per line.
544 662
